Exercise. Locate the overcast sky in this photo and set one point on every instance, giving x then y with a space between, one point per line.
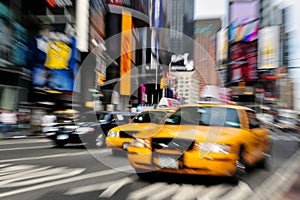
205 9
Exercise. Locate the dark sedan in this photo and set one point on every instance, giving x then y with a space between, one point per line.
90 128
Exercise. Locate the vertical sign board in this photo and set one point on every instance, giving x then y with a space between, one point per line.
268 45
125 64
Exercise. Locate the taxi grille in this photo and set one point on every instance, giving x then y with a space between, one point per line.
127 134
177 144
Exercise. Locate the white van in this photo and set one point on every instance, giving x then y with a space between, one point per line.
287 120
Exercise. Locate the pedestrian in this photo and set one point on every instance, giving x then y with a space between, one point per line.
48 121
9 121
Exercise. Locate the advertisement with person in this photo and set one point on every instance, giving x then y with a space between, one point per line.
54 58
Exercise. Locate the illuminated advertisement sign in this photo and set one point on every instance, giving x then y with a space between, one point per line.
268 45
243 12
181 63
243 62
11 53
59 3
138 5
54 61
222 48
244 33
125 63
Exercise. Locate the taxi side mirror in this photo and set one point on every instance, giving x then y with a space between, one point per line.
253 124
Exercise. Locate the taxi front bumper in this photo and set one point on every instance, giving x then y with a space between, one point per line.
192 162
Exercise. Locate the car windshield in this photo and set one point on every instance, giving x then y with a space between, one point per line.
122 118
149 117
87 117
207 116
286 119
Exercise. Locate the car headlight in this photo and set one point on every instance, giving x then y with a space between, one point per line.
82 130
113 134
142 143
214 148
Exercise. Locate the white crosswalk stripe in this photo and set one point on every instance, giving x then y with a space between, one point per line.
113 188
149 190
25 141
162 190
213 192
15 169
241 191
24 175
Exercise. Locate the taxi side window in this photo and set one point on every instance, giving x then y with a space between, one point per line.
252 120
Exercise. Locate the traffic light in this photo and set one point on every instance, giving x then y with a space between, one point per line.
162 83
100 79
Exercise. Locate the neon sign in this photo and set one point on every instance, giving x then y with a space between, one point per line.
59 3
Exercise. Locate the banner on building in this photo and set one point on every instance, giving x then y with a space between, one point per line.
55 62
222 48
268 45
181 63
125 63
243 62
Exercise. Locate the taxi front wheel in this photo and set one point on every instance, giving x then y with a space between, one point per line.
240 168
100 140
145 174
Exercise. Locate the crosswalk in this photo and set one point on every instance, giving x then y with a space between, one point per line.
163 190
21 178
25 175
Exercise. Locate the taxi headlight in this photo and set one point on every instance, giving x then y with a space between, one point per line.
142 143
214 148
113 134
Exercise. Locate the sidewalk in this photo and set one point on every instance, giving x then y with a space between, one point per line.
294 191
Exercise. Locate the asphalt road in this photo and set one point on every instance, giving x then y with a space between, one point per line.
31 169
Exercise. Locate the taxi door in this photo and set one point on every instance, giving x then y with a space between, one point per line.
260 142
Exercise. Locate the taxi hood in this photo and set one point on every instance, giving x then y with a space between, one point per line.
135 127
193 132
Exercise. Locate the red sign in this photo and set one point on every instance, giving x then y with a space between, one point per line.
59 3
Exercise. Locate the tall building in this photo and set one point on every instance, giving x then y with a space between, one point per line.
182 27
180 16
187 86
205 51
15 75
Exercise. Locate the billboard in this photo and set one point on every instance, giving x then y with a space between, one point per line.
243 12
13 39
244 33
181 63
268 45
222 48
125 62
54 61
138 5
243 62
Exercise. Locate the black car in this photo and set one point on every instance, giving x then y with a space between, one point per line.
90 128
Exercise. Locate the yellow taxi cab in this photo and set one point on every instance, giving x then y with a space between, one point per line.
202 139
119 137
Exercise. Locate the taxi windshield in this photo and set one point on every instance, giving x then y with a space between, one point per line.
205 116
149 117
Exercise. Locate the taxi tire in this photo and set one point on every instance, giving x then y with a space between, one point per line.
60 143
100 140
145 174
241 168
